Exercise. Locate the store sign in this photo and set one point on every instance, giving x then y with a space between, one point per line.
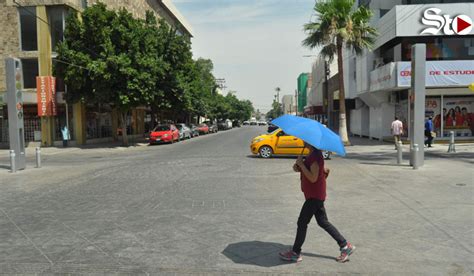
439 22
46 95
439 73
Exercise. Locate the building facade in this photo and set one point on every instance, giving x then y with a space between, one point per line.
288 104
381 78
30 31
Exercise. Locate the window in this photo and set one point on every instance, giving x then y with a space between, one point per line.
28 33
441 48
57 22
30 72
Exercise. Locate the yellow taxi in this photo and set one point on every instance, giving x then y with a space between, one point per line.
277 143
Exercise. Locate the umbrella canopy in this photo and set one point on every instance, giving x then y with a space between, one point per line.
312 132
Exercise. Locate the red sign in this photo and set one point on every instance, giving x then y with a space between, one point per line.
46 95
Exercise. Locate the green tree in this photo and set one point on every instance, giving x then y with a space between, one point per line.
204 87
109 61
337 26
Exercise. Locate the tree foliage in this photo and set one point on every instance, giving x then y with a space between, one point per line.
110 57
339 25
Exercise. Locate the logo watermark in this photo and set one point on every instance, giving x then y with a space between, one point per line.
461 24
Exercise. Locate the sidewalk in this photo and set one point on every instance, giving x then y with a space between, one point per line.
76 150
385 150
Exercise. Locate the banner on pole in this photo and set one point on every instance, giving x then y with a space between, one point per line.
46 95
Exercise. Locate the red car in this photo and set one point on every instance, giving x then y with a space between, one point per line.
203 129
164 134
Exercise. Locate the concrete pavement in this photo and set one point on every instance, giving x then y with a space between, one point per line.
205 206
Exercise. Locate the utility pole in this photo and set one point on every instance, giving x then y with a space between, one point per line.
326 90
296 101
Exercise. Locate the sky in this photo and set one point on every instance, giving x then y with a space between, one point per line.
254 44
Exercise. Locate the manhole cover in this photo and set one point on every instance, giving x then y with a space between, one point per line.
461 184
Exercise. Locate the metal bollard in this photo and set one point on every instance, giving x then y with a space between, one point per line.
452 146
38 157
12 161
415 156
399 152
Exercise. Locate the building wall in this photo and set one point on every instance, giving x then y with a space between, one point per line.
287 102
137 8
10 35
380 120
9 38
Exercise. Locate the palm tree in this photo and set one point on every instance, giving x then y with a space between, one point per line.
339 25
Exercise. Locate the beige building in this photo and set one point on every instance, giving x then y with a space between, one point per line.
288 104
30 30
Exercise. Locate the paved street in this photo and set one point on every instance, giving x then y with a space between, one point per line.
205 206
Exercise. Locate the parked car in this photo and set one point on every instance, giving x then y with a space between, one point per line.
279 143
212 127
184 131
222 125
271 128
229 124
164 134
253 123
203 129
262 123
236 123
194 130
246 123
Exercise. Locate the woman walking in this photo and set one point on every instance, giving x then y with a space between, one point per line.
313 185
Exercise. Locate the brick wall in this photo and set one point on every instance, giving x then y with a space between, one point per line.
9 38
9 20
138 8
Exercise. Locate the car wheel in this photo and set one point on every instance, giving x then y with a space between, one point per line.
265 152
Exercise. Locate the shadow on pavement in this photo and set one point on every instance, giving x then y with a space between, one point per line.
6 167
264 254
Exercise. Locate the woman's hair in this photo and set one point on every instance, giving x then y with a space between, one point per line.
451 112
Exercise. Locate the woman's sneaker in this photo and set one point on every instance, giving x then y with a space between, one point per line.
291 256
346 251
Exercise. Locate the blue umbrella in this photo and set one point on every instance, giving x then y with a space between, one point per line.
312 132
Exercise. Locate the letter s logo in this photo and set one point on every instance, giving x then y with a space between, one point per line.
432 19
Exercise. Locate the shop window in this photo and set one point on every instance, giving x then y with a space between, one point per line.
28 32
30 72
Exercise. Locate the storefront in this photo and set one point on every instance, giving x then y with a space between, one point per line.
448 99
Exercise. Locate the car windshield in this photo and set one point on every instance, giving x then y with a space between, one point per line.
277 130
161 128
180 127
